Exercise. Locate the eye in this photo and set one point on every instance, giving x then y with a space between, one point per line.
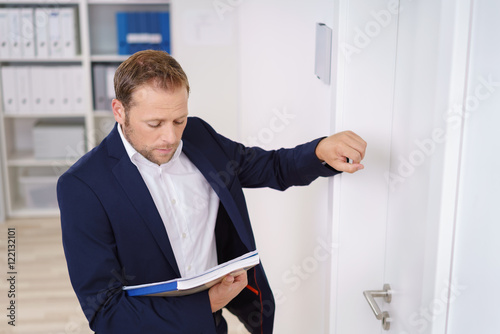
154 125
179 122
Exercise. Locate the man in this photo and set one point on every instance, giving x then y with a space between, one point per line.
161 198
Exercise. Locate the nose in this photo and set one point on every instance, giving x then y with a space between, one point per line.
168 135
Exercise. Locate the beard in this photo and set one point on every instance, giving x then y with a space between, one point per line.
145 151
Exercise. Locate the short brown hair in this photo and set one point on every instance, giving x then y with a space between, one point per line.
148 67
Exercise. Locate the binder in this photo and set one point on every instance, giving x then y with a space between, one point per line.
42 32
9 92
110 88
99 73
143 31
122 30
24 97
38 88
154 30
77 88
52 89
14 38
164 18
190 285
64 76
27 32
132 32
4 37
68 32
55 35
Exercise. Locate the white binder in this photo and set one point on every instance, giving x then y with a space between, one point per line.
77 89
9 92
24 97
52 89
55 34
110 87
42 32
38 88
64 76
14 37
68 32
4 37
27 32
99 76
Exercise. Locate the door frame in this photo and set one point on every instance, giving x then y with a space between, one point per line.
456 53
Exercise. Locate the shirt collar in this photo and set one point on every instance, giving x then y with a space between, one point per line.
133 154
128 147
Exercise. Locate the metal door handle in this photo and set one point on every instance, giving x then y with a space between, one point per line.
370 296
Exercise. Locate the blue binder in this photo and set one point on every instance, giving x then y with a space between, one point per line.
134 28
143 29
164 18
122 30
154 28
142 23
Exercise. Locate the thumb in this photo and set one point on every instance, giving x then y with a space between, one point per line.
343 166
228 280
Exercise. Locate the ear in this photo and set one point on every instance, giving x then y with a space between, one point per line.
118 111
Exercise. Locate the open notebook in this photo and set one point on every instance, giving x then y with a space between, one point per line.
186 286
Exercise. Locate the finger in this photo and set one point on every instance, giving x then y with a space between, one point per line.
241 278
347 167
351 153
356 142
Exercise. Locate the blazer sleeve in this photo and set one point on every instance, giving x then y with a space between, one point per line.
97 276
277 169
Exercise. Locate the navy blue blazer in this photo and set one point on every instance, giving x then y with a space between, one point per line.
113 234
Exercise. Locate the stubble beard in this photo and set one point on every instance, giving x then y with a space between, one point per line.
145 152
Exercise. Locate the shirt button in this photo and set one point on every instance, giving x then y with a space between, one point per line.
184 235
173 201
189 268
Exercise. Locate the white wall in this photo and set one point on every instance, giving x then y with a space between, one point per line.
476 265
251 70
277 44
206 46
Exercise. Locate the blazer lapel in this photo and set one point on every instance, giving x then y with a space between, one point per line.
136 190
211 175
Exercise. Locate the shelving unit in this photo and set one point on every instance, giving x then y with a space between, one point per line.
97 44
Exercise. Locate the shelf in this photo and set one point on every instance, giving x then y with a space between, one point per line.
37 2
52 115
77 59
96 44
109 58
27 159
128 2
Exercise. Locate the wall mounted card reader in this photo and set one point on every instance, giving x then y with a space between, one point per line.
322 66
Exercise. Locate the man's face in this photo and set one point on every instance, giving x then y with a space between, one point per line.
154 123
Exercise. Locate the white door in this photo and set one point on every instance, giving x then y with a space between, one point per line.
400 79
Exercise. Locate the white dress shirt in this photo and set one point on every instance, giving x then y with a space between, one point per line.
187 205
